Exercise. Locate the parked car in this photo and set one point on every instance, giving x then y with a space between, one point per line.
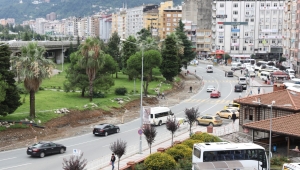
215 93
210 120
238 88
227 113
229 74
45 148
252 74
105 129
210 88
233 106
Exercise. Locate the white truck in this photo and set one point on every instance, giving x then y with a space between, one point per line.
243 82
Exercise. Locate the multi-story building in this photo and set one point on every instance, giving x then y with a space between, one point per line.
163 5
291 33
105 22
151 20
243 28
200 14
118 24
171 17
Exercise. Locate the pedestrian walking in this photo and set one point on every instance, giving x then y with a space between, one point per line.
163 95
258 90
233 117
158 94
112 161
241 71
191 89
195 71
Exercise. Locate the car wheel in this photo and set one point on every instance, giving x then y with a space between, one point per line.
210 124
229 117
42 154
159 123
62 150
118 130
105 134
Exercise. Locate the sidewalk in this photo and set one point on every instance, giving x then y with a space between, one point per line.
182 134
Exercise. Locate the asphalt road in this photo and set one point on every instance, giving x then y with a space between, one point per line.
95 147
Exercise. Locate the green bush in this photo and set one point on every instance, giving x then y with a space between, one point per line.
98 95
159 161
22 90
140 166
121 91
190 142
180 152
279 160
185 164
41 88
205 137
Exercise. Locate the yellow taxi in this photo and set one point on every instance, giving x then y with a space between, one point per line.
235 106
210 120
227 113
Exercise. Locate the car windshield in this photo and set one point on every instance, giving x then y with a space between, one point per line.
37 145
210 86
100 126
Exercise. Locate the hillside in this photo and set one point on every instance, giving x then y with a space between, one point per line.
64 8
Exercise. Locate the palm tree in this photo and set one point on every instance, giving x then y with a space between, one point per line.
92 60
32 67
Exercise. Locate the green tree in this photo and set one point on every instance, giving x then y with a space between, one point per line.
170 62
129 48
188 53
33 67
92 60
143 34
152 59
26 37
9 96
113 50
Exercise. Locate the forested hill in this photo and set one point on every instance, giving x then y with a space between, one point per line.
64 8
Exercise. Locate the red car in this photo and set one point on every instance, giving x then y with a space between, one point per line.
215 93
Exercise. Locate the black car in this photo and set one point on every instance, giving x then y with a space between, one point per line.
105 129
229 74
238 88
45 148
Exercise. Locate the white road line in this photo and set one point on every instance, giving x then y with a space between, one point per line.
15 166
8 159
105 146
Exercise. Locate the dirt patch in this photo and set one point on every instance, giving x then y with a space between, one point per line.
81 122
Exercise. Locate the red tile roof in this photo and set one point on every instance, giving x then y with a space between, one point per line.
283 99
288 125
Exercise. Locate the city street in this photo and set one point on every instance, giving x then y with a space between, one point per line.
97 147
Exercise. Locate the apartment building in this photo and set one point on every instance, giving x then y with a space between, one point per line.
291 34
199 12
163 5
171 17
248 28
105 25
118 23
151 20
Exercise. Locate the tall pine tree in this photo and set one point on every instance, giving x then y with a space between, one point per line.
129 48
188 53
113 50
171 62
11 96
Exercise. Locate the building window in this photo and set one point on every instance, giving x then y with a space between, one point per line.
206 45
174 15
275 4
174 20
247 5
221 4
169 24
207 33
268 5
244 48
237 48
246 34
262 4
273 41
168 15
235 5
221 41
234 19
235 12
221 33
232 48
234 40
247 20
220 26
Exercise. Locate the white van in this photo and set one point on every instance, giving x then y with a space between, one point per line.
264 75
209 68
236 66
159 115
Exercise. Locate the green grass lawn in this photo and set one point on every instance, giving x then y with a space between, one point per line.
48 100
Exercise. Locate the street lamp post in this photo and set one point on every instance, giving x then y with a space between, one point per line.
270 136
141 103
62 56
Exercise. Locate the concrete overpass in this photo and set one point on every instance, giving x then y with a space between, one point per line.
54 49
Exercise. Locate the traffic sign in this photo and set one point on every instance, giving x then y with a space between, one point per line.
76 152
140 131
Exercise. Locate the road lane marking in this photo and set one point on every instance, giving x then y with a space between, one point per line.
15 166
8 159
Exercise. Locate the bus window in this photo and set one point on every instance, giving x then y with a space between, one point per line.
197 153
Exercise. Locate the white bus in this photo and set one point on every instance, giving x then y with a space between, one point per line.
291 166
159 115
250 61
249 155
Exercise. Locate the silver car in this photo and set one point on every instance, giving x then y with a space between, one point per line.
210 88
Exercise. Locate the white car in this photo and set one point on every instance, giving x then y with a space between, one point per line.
210 88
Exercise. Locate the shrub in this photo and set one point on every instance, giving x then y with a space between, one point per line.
22 90
140 166
41 88
98 95
185 164
158 161
205 137
180 152
279 160
121 91
190 142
